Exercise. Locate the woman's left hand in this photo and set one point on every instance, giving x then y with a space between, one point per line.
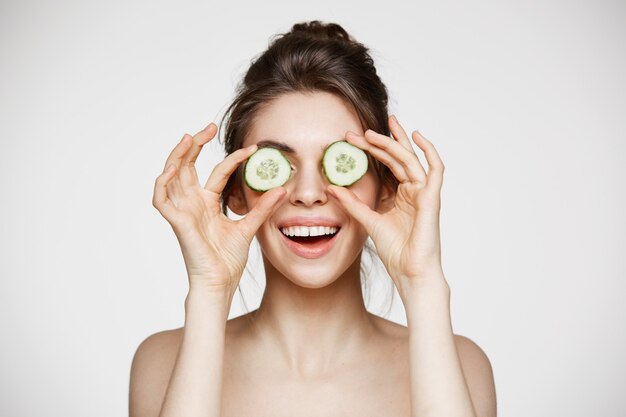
407 235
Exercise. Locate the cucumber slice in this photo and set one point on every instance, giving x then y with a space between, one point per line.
266 168
344 164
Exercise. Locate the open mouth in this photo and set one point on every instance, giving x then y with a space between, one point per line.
311 240
310 246
311 235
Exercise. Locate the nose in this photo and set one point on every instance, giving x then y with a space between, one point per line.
309 186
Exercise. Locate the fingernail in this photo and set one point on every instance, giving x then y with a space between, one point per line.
352 133
393 116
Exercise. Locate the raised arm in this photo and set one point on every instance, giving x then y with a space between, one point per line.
215 249
450 375
405 230
195 387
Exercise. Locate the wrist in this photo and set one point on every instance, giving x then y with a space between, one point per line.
211 288
426 301
429 283
210 300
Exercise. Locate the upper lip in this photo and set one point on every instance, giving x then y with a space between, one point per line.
309 221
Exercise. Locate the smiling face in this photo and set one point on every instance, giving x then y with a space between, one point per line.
303 125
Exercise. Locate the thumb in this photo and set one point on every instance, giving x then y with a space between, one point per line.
355 207
264 207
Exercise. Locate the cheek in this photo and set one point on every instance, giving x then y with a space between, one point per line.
365 189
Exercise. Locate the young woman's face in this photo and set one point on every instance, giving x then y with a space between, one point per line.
307 123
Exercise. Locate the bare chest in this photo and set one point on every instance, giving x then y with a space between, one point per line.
370 391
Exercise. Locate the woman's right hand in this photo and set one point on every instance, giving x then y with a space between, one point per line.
215 248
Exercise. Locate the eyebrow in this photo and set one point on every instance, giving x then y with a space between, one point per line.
282 146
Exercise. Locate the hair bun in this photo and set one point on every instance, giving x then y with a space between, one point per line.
322 31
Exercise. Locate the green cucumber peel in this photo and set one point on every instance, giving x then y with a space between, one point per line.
344 164
266 168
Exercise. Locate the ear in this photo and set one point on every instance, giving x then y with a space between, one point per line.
387 196
236 201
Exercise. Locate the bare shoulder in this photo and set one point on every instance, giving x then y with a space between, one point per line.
478 375
474 362
472 356
160 347
152 366
150 372
470 351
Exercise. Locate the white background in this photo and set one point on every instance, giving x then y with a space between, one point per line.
525 102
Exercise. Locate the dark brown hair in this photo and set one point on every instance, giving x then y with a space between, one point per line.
313 56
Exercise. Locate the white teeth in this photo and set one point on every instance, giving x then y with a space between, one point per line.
308 231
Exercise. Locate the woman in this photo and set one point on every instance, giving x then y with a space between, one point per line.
311 348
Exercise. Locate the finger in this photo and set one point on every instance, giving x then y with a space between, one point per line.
175 187
188 174
201 138
407 158
395 167
222 171
160 200
264 208
176 156
355 207
399 134
435 165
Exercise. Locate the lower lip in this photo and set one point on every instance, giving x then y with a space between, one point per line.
310 251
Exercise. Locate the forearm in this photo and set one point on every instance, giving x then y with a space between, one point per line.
438 387
195 387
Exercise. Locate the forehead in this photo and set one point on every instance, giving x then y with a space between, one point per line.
306 122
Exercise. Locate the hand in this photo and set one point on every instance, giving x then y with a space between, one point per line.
407 235
215 248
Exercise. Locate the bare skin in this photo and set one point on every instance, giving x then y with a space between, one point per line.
374 382
311 348
256 382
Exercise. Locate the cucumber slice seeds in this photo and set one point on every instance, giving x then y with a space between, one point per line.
266 168
344 164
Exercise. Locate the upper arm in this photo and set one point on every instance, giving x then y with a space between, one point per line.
478 375
150 373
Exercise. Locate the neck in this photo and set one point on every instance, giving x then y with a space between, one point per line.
314 329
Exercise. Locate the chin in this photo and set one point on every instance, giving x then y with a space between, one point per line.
311 277
310 273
